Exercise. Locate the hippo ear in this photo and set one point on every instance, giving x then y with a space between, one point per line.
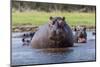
63 18
51 18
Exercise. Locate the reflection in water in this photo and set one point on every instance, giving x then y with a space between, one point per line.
23 55
56 50
58 55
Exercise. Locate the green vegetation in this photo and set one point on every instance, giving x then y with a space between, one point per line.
37 18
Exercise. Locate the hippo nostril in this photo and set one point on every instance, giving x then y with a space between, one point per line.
54 32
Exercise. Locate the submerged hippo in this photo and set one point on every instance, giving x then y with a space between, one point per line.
80 35
93 33
27 37
55 34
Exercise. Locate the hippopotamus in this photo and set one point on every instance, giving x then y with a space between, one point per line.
55 34
27 37
94 33
80 35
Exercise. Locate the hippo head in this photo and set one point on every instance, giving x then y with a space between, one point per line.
57 28
80 34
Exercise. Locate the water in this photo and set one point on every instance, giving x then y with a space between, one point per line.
25 55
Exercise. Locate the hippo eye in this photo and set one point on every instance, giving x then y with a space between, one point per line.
53 22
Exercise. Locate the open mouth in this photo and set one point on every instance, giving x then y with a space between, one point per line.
82 40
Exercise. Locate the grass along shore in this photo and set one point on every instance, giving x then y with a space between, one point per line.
37 18
31 28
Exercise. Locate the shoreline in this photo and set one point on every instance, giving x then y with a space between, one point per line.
31 28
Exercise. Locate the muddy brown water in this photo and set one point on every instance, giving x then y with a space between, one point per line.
25 55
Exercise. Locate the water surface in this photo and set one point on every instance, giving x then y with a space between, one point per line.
25 55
